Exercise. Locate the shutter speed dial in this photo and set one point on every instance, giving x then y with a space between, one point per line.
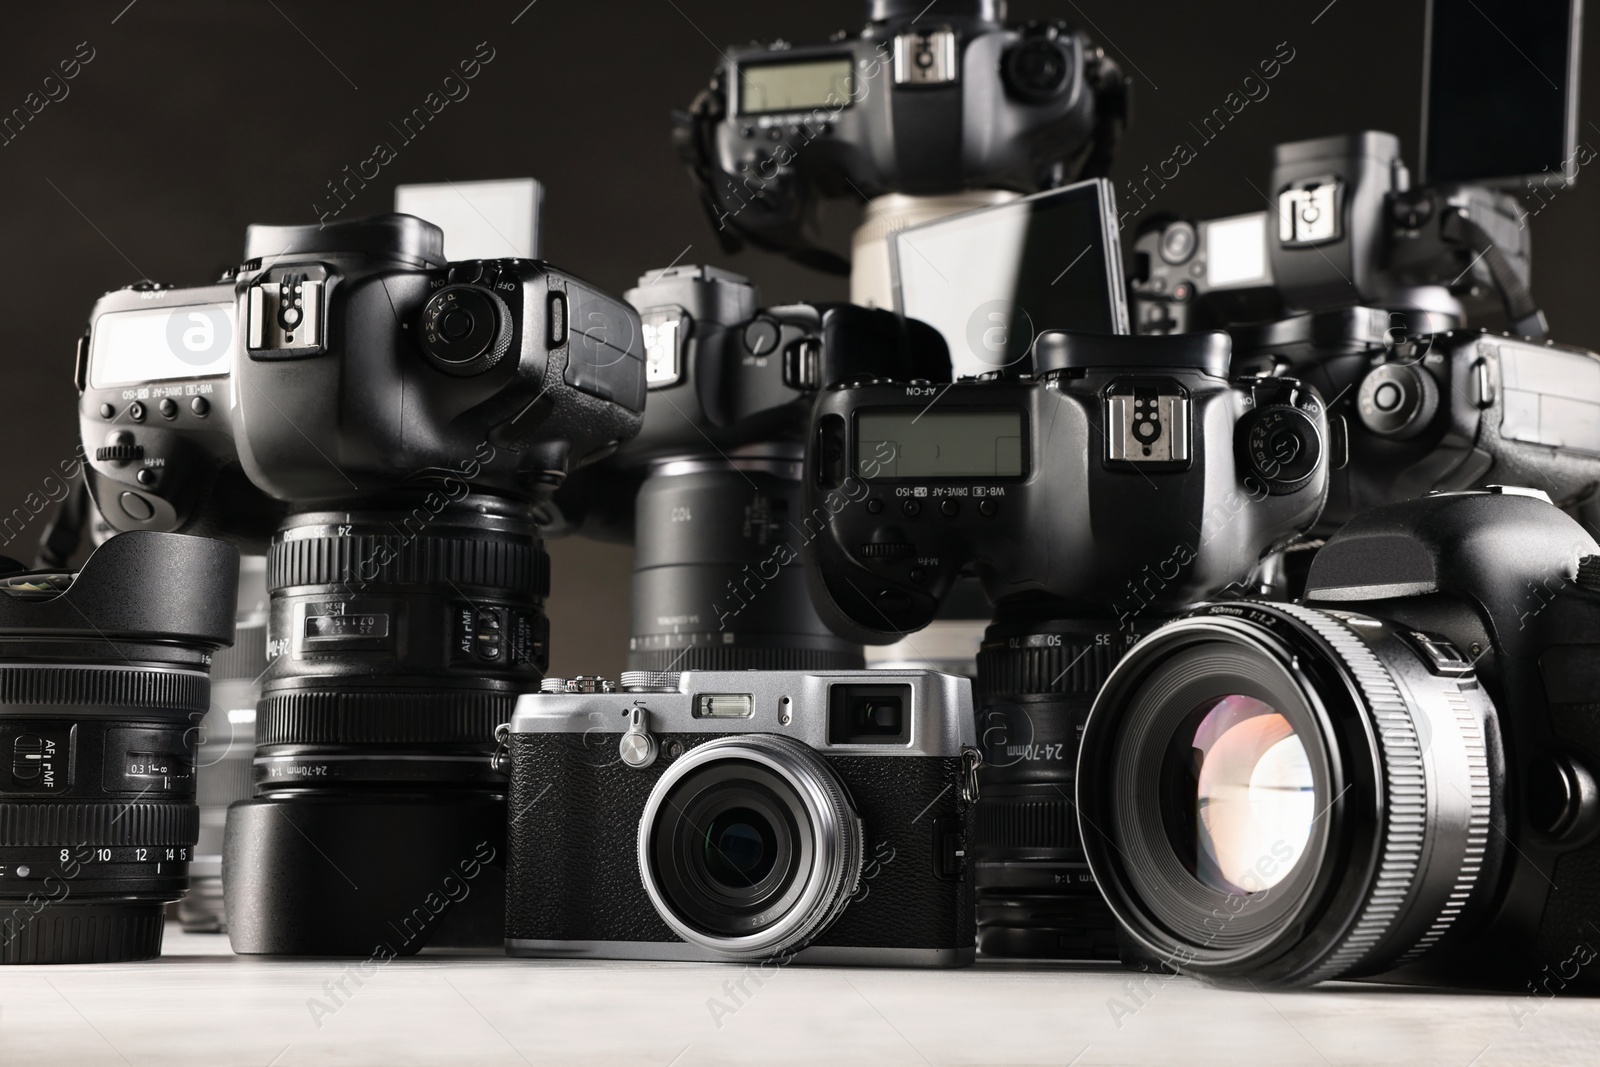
465 330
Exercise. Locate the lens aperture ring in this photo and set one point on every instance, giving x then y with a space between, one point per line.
359 559
323 717
108 822
157 688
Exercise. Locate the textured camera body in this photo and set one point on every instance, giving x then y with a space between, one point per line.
1514 585
1174 500
343 362
575 887
1432 409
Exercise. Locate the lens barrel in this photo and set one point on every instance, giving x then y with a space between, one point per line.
401 639
224 763
102 687
1370 755
718 582
1036 683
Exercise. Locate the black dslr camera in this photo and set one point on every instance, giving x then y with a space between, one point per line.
1127 478
1396 777
106 676
709 491
748 815
1360 281
391 421
930 99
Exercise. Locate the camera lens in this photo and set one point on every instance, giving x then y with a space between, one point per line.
403 637
749 846
1275 794
97 789
223 770
1034 894
718 582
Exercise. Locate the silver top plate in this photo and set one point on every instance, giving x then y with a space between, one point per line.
941 714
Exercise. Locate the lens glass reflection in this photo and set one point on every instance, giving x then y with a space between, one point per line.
740 846
1254 798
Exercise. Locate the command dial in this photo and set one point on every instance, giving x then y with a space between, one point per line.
465 330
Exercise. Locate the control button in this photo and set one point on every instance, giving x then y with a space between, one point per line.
911 508
988 508
1387 396
200 406
951 508
136 411
107 411
1178 242
761 337
918 575
874 506
136 507
168 408
893 603
1182 292
146 476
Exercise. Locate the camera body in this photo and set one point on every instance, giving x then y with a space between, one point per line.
1438 684
1348 229
929 99
709 488
1442 410
344 362
1139 454
743 815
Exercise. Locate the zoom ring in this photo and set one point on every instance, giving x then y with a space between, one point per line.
391 559
1071 668
106 686
1024 822
326 718
107 822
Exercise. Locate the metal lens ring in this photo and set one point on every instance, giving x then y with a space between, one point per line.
749 846
1271 793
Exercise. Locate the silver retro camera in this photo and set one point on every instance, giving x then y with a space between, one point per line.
743 815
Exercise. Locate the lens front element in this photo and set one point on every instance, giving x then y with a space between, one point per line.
749 846
1253 794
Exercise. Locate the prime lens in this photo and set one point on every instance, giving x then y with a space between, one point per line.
1275 794
401 637
104 677
718 582
749 846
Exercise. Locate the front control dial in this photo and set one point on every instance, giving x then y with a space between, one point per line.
1397 400
465 330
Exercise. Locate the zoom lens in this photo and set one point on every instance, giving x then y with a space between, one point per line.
749 846
401 639
224 771
718 583
1036 682
103 678
1276 794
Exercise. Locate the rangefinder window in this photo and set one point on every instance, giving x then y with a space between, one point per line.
940 444
768 87
869 714
161 344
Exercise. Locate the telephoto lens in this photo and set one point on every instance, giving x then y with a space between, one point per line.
104 675
223 768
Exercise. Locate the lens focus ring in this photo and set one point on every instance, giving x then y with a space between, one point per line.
384 559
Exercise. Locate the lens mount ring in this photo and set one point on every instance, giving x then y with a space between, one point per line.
836 840
1402 791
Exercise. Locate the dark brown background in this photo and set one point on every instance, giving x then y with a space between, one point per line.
196 118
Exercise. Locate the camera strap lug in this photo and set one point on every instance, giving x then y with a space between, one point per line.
971 760
637 748
501 760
